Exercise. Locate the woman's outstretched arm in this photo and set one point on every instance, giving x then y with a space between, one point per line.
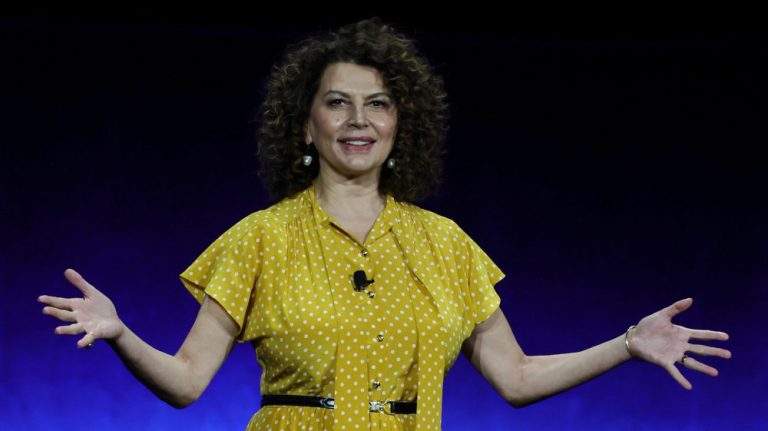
524 380
176 379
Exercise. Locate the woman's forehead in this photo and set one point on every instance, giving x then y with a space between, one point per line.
350 77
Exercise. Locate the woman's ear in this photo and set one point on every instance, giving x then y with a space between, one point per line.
307 136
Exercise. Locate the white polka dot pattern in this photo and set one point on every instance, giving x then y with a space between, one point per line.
284 275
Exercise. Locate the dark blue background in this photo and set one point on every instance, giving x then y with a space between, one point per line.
608 173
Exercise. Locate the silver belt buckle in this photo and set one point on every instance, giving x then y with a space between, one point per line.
328 403
380 407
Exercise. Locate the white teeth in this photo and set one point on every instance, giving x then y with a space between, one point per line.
357 143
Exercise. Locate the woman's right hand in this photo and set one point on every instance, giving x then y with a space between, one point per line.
93 314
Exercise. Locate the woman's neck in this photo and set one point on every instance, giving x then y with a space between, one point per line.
345 199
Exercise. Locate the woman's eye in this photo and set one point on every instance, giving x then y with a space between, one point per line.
336 102
379 103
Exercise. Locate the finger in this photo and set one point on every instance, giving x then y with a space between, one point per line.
696 365
678 307
678 376
79 282
86 341
709 351
701 334
55 301
63 315
72 329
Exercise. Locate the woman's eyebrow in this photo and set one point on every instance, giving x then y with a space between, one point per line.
346 95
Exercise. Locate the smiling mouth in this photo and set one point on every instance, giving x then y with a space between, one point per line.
356 146
357 143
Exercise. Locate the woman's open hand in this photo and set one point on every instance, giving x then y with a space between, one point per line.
93 314
657 340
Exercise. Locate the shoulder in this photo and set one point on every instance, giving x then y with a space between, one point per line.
287 210
266 221
429 220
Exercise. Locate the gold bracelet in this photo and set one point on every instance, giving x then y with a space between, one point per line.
626 340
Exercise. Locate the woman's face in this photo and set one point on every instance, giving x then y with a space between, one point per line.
352 121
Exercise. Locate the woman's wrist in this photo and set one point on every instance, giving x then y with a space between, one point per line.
119 334
627 336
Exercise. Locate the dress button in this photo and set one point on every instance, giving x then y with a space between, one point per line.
380 337
364 253
371 294
376 384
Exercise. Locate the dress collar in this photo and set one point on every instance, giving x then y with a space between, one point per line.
383 224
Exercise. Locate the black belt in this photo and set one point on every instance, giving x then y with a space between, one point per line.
394 407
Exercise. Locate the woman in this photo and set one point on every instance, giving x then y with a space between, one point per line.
355 300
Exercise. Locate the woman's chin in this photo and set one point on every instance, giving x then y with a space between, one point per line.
356 171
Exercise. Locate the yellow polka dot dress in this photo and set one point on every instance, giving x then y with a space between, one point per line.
285 275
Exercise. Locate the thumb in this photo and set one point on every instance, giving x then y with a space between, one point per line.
78 281
678 307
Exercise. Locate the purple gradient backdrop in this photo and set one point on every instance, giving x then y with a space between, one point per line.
606 176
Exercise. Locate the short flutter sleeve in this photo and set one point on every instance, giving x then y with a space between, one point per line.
227 270
482 275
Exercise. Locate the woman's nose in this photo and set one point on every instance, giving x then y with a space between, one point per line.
357 117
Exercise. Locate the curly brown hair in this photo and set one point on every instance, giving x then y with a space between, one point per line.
416 90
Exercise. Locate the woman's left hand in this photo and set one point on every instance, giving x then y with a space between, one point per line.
657 340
